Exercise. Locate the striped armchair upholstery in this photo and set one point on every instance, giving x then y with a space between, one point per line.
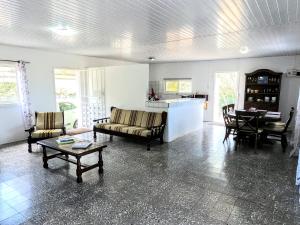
49 120
47 125
147 125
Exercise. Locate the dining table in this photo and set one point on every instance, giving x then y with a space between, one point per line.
266 116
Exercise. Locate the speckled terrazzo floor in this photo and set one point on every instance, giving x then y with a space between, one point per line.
193 180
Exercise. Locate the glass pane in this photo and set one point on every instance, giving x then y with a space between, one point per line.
185 86
172 86
8 85
66 88
226 92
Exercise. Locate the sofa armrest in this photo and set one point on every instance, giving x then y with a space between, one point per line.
30 130
64 130
157 130
102 120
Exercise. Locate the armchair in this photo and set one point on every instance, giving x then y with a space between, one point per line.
47 125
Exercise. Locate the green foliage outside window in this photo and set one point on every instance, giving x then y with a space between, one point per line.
227 90
172 86
8 91
64 106
178 86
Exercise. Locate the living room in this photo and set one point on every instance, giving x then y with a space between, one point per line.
142 112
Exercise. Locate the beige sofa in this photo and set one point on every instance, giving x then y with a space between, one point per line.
140 125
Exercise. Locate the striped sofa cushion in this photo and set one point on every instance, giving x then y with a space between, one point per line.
151 119
133 117
110 126
103 125
117 127
49 120
138 131
46 133
117 115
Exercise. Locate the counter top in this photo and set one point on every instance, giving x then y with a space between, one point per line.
168 103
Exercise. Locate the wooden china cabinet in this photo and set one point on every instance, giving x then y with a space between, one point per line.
262 90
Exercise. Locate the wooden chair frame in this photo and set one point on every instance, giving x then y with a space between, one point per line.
280 135
229 127
247 125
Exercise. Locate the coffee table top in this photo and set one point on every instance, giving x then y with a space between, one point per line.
67 148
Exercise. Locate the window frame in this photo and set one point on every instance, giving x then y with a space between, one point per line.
17 100
178 91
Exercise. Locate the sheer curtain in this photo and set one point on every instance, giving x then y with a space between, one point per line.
92 92
296 140
296 137
24 95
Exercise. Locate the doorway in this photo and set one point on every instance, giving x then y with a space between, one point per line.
67 95
226 92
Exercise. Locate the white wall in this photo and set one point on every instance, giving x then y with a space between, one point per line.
41 83
202 74
126 86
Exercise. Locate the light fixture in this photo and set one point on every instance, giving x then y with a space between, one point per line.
244 50
63 30
151 58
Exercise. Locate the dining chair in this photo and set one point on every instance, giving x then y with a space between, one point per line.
277 131
247 126
230 107
230 126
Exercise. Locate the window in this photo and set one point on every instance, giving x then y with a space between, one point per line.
8 85
178 85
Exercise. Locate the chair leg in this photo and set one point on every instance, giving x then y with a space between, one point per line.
284 142
237 142
255 143
148 143
161 140
110 137
225 137
95 136
29 147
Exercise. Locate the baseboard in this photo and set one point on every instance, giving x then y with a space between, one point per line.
12 143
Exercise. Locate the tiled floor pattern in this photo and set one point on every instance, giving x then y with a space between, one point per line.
193 180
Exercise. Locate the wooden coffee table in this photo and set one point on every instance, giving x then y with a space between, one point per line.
66 150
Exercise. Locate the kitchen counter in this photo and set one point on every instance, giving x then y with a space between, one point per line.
184 115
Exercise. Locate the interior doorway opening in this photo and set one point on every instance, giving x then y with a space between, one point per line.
68 95
226 92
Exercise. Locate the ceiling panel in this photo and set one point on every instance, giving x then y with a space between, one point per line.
169 30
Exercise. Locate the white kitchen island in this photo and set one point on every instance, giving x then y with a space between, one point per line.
184 115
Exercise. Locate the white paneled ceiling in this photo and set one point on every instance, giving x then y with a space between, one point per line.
169 30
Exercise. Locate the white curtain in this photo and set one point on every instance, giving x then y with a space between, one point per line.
296 136
296 140
24 95
92 92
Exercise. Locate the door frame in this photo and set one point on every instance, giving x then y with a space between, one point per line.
239 90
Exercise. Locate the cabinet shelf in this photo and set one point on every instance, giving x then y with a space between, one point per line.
262 75
271 103
272 93
255 84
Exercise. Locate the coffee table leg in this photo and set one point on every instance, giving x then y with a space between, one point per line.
78 170
45 159
100 162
